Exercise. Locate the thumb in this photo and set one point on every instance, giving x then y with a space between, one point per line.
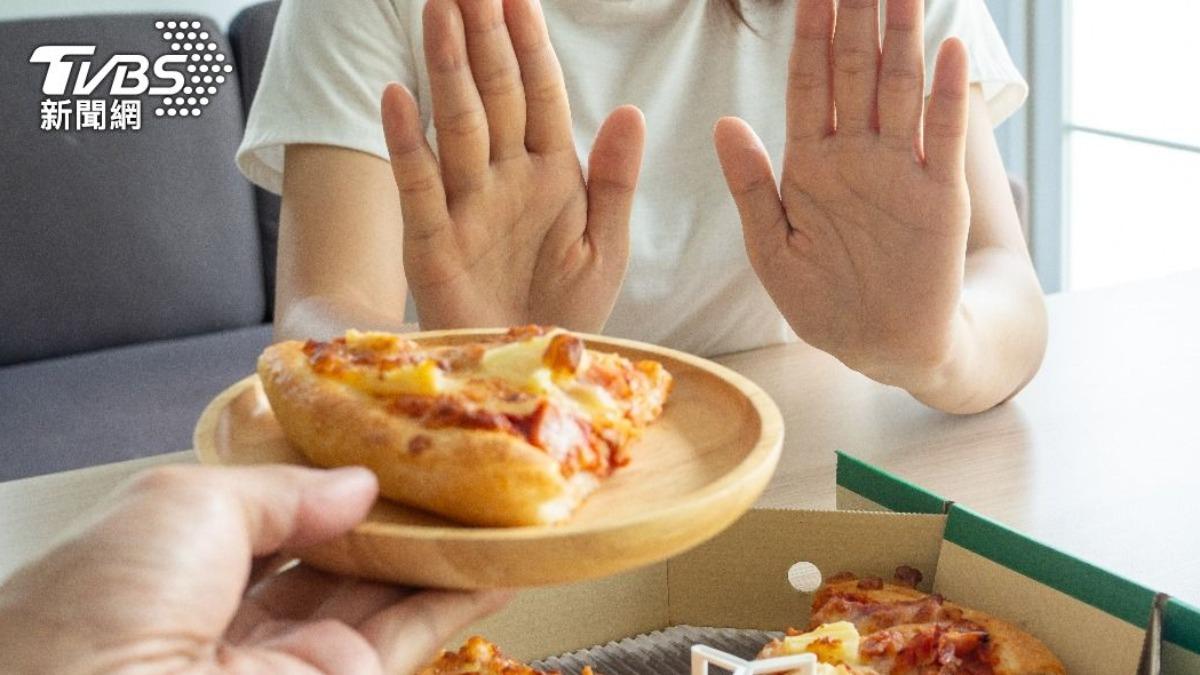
748 173
293 507
613 168
277 506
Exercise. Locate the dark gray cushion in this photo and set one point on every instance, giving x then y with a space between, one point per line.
116 404
116 237
250 35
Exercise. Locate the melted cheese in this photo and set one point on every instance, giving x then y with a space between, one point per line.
518 364
833 643
826 669
424 378
372 340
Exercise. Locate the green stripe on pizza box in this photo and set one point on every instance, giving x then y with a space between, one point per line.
885 489
1104 590
1181 625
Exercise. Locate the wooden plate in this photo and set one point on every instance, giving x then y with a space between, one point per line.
693 473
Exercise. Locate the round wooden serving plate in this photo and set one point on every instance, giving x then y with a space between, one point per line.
694 472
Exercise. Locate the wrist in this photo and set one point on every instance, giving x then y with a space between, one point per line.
939 373
949 383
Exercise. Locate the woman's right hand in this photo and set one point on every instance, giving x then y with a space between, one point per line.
500 226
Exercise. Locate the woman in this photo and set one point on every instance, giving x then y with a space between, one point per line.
890 240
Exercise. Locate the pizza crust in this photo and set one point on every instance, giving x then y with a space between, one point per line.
478 656
473 476
1017 652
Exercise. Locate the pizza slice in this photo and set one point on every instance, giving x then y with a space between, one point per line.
507 430
868 627
478 655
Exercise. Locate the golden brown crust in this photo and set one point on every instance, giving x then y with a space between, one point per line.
849 587
474 476
477 656
1014 651
1017 652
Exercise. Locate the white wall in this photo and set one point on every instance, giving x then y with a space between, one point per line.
221 10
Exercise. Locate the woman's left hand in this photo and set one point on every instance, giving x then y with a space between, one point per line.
862 246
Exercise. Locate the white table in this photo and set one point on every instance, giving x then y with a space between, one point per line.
1099 456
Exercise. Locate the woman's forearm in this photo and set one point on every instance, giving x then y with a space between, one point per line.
339 263
324 317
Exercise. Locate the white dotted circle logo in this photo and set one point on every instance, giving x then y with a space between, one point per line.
205 65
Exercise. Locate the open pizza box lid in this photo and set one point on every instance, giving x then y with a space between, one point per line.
1096 622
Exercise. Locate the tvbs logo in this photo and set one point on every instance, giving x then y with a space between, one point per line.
108 96
129 74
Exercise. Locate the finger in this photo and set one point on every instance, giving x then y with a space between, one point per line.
946 120
307 593
268 567
329 646
274 506
751 181
293 595
855 65
356 601
902 74
547 116
303 593
613 167
418 177
810 97
458 114
408 635
294 507
497 77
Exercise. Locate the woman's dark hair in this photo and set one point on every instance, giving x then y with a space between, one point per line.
734 8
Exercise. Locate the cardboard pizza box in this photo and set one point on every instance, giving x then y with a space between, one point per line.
1180 638
1096 622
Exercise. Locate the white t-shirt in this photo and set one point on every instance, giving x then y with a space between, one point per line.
683 62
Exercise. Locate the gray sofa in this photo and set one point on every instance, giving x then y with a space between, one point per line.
136 268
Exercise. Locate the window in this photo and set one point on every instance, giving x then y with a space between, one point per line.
1116 145
1133 141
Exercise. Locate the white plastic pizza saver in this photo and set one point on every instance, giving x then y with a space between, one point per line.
704 656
